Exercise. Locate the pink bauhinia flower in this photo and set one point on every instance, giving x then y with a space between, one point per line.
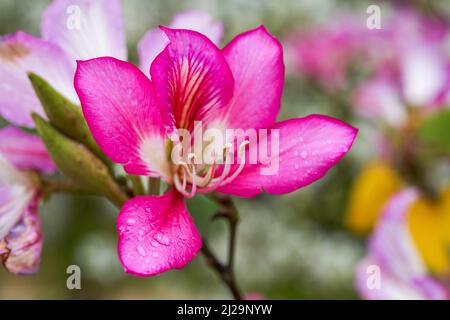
20 230
394 259
72 30
192 80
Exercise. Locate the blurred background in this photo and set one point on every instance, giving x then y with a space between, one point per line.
296 246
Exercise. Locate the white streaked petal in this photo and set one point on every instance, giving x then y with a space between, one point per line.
423 75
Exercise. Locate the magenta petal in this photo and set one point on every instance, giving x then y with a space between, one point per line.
156 234
256 61
86 29
191 78
308 148
24 150
21 53
21 249
120 108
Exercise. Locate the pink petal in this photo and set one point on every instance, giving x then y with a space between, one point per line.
392 288
191 78
308 148
86 29
16 192
392 250
21 53
155 40
21 249
256 61
201 22
14 199
424 74
156 234
24 150
120 108
380 99
392 242
152 44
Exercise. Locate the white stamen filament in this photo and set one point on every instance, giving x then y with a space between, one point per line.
206 182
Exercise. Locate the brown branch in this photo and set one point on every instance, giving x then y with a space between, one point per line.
225 271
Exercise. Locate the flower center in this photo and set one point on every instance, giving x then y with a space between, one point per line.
190 177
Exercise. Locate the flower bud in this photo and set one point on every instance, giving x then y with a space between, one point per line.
64 115
76 162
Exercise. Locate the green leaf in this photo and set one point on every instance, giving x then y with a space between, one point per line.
64 115
434 132
79 164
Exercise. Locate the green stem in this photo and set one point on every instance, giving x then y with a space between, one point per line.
154 186
117 196
138 187
61 186
49 186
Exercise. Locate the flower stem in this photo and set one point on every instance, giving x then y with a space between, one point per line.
63 186
49 186
225 271
138 187
153 186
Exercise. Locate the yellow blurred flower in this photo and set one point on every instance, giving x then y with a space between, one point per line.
429 223
374 186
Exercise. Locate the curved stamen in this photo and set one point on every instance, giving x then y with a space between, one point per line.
241 156
191 159
214 183
206 182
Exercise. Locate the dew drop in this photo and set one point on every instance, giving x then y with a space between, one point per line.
141 251
154 243
304 154
131 221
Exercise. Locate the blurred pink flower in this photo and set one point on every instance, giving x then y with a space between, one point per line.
402 273
67 30
326 54
414 73
239 86
20 230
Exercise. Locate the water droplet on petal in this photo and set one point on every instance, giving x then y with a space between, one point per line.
154 243
304 154
131 221
141 251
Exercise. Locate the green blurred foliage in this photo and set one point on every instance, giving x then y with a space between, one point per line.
434 132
